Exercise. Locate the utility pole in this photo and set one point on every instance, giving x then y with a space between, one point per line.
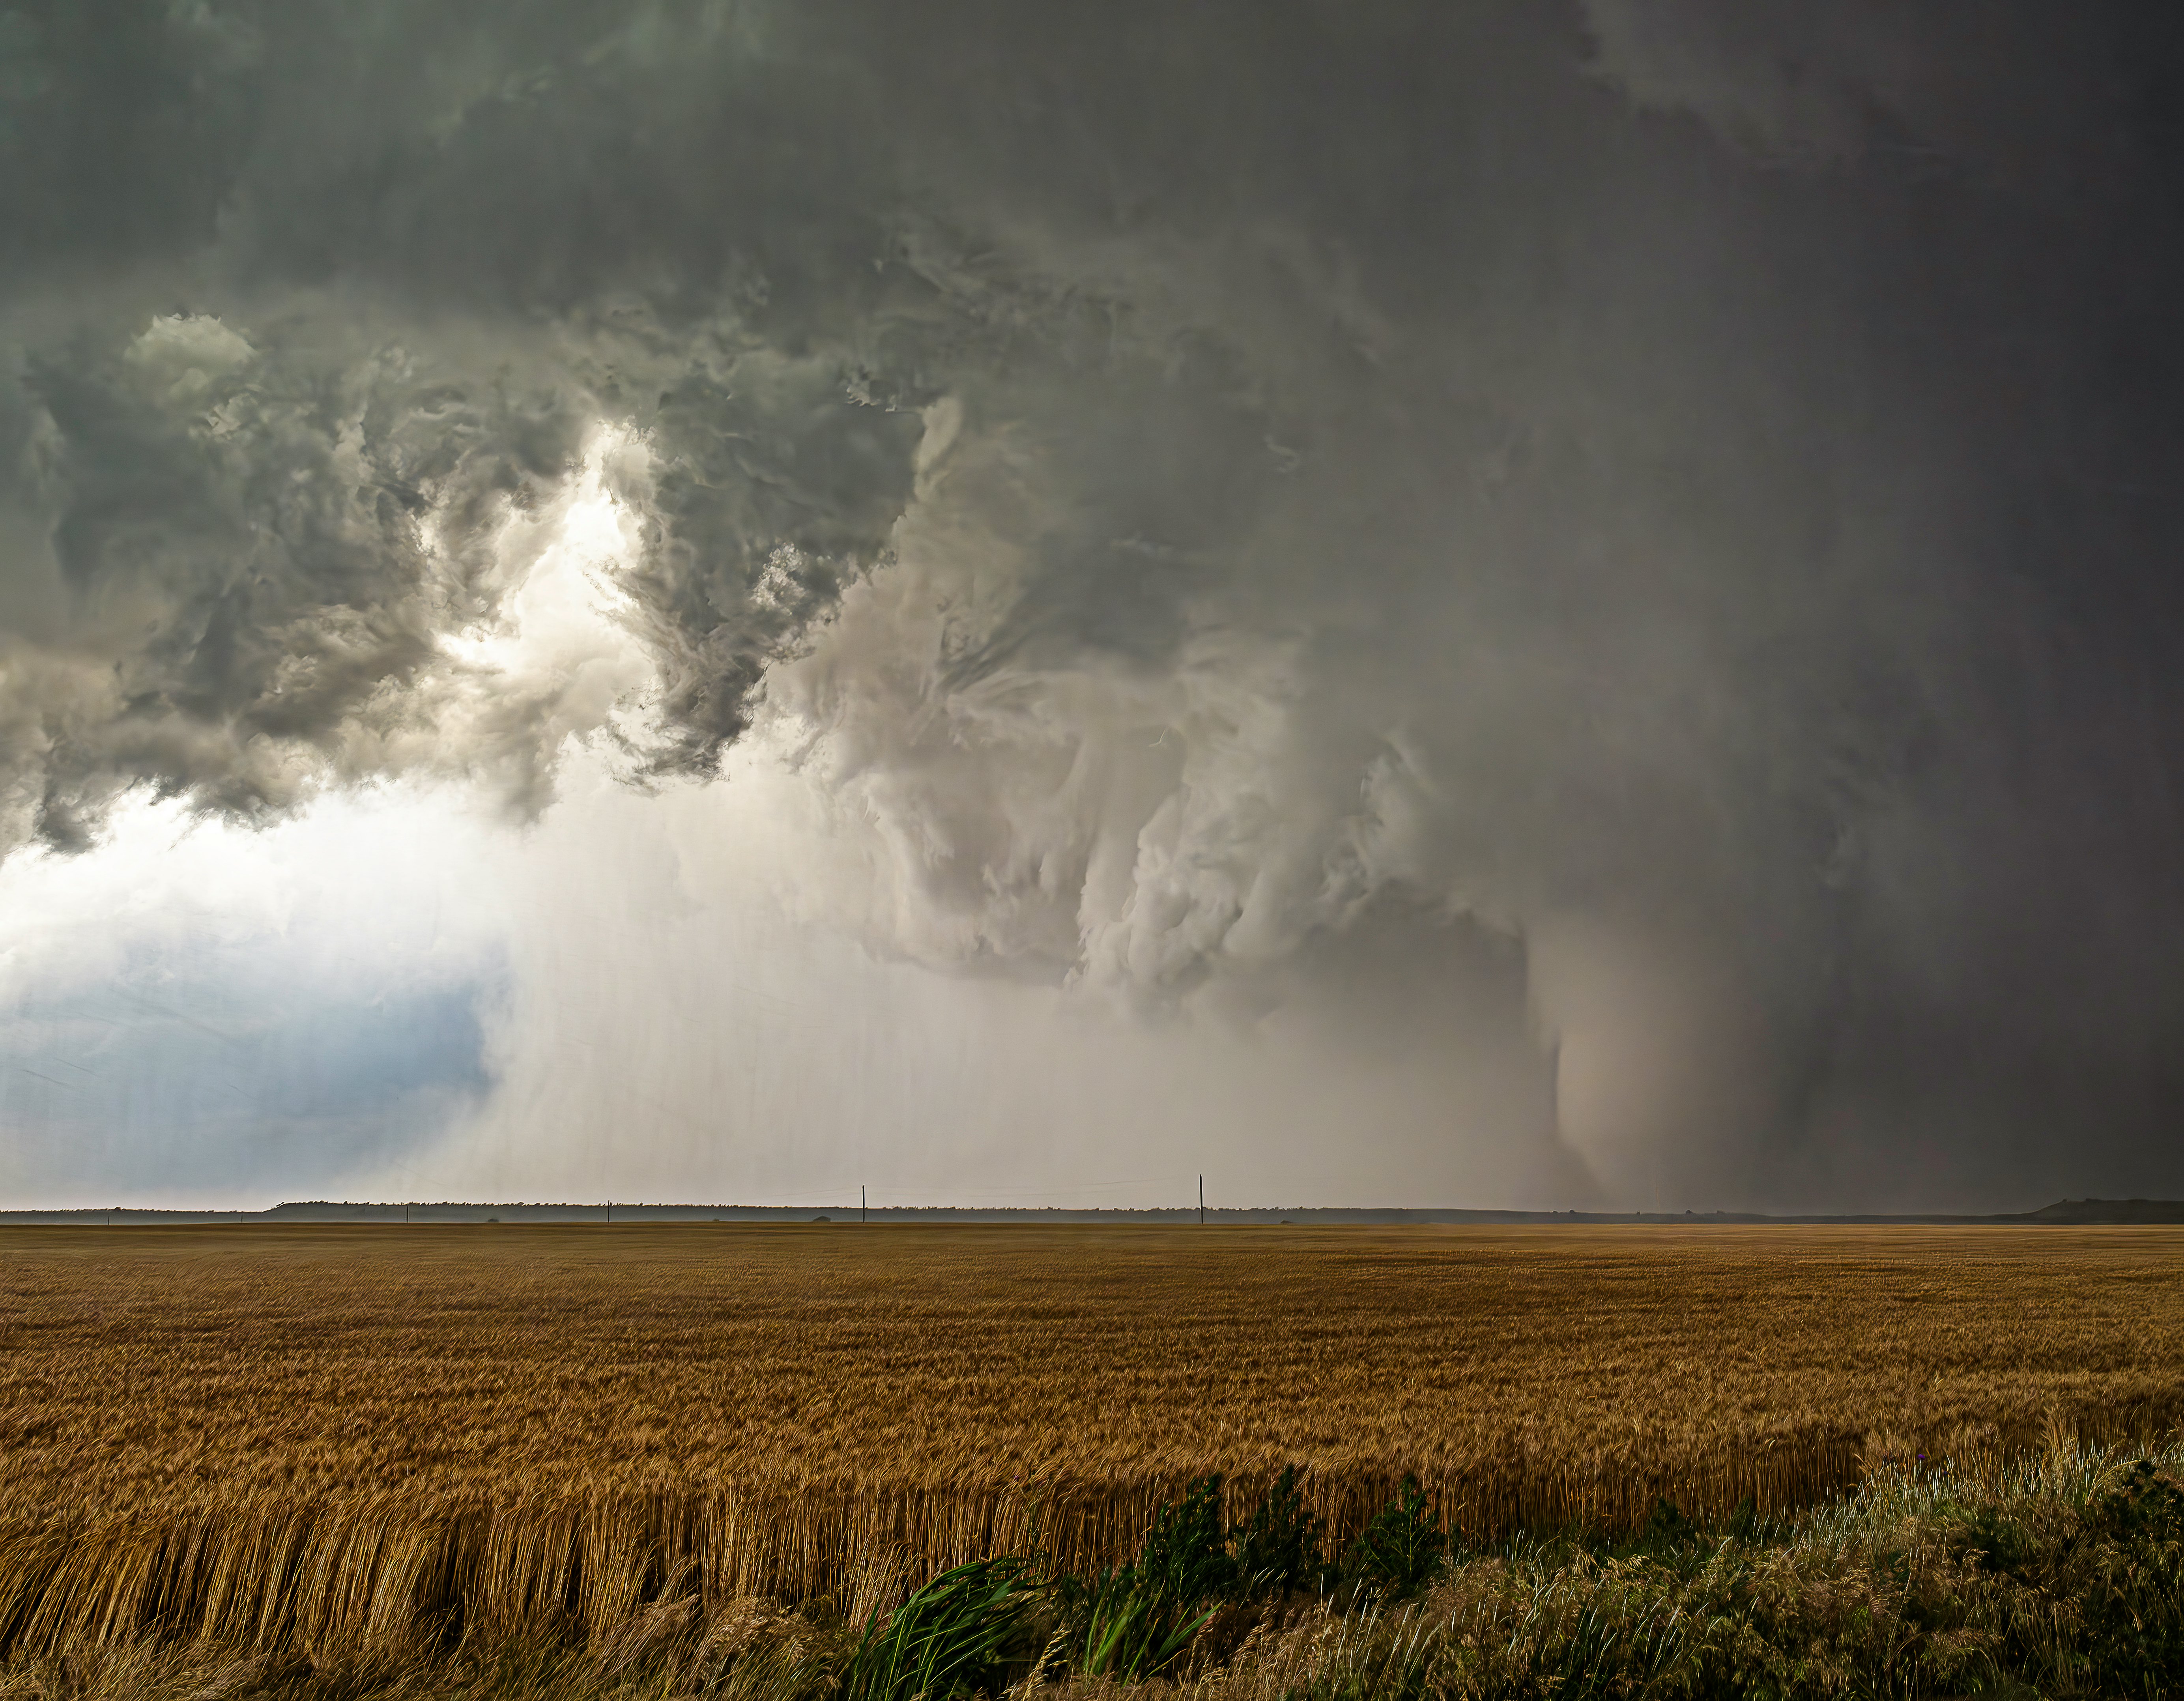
1201 1201
861 1216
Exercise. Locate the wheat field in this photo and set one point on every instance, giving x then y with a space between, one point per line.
314 1436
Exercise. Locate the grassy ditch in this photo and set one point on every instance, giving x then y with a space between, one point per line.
2062 1575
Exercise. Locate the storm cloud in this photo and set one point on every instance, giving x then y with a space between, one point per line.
1632 542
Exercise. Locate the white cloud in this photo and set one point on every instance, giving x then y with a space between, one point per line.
202 1012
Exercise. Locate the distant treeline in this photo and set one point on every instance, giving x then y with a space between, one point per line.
2081 1212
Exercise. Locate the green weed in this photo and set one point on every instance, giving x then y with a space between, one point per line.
955 1637
1402 1547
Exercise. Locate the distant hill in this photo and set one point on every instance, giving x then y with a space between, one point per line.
2106 1211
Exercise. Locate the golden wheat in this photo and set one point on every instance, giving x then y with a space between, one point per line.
310 1438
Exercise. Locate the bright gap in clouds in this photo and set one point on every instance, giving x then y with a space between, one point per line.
193 1013
196 1011
402 992
563 601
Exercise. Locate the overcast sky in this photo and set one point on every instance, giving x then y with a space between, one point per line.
1516 602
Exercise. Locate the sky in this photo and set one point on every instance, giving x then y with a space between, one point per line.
1529 603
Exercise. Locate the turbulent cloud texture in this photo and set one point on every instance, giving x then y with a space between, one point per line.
1633 536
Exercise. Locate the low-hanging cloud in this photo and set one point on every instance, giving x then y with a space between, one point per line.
1222 506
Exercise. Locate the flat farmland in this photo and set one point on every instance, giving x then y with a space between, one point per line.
342 1426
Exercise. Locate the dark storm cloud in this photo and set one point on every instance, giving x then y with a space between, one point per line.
1686 488
303 301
